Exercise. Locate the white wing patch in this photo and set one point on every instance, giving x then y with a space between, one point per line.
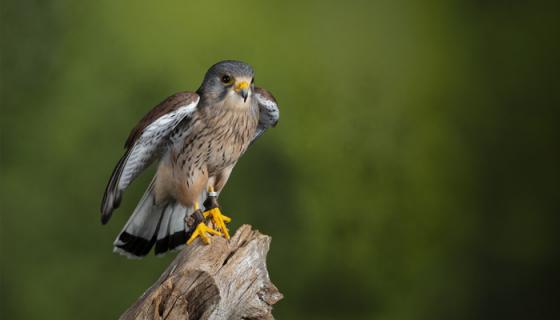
268 114
150 142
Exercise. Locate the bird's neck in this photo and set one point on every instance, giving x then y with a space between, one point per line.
234 102
228 103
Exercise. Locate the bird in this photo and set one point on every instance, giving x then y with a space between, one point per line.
196 138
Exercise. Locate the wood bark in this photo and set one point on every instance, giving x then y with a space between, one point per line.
227 279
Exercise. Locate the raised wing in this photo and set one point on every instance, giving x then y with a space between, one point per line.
145 143
268 111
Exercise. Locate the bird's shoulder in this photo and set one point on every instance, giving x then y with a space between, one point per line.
265 94
169 105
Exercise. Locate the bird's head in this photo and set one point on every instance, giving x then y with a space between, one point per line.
228 80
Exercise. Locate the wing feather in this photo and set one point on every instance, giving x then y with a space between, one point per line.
146 142
268 111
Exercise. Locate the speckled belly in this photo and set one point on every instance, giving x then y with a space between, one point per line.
217 145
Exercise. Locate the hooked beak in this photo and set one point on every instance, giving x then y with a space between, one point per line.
242 88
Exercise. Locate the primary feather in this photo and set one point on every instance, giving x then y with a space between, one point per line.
146 142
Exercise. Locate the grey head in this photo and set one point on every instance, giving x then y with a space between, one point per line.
225 78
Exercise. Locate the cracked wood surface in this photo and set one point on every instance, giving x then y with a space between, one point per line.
223 280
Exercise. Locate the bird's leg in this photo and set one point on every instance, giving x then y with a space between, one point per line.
201 229
214 213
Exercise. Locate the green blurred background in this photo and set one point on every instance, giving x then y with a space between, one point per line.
413 175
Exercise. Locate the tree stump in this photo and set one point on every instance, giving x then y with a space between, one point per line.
227 279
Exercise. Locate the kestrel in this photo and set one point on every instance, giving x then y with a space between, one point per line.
197 138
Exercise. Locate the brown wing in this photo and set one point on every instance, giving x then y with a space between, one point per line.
168 105
145 143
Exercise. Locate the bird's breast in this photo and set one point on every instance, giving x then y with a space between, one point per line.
217 141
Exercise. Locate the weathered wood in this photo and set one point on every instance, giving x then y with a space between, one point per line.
223 280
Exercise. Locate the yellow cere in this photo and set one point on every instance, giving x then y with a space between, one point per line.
242 85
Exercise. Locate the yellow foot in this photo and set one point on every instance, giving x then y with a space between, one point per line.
219 220
200 231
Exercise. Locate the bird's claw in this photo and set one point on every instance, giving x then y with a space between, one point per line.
201 231
218 220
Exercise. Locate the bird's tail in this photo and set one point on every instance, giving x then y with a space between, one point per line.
162 225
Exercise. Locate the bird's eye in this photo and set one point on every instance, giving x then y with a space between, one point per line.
226 79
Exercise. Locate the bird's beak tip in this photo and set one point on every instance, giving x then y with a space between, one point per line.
243 89
244 94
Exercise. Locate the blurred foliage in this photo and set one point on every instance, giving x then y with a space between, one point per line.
413 175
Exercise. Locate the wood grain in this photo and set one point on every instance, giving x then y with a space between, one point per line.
223 280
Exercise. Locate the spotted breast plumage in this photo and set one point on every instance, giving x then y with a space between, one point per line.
197 138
